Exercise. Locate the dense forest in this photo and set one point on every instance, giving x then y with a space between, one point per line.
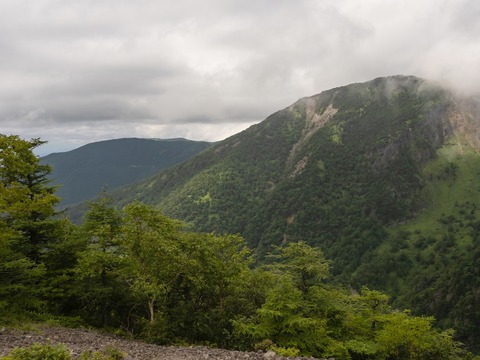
137 272
382 176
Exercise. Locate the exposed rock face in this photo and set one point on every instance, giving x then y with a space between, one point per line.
78 341
313 122
464 119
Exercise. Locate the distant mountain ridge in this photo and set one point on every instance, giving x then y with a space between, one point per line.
83 172
382 176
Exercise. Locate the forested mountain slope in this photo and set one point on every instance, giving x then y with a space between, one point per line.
332 169
84 171
382 176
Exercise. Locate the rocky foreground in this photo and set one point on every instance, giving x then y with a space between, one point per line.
78 341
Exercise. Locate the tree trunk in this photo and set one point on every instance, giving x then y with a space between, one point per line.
151 310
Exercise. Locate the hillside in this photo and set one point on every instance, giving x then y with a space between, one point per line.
83 172
382 176
347 158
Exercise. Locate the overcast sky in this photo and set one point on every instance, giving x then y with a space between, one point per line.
78 71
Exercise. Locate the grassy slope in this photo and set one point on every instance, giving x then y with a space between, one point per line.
430 263
452 178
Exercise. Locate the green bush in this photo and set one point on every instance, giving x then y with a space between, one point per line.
60 352
288 352
267 344
110 354
39 352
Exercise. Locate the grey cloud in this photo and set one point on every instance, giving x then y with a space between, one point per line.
465 18
114 80
79 71
94 110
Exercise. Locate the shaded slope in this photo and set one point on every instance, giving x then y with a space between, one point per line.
84 171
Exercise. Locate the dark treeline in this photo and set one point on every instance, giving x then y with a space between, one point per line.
135 271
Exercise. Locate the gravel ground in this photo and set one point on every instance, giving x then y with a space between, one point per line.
78 341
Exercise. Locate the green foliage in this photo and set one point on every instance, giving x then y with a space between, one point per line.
60 352
289 352
141 271
305 264
98 284
322 321
26 200
429 262
191 285
153 260
39 352
26 226
110 353
292 316
346 171
283 320
213 288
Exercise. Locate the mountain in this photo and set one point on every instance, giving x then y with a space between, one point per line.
346 161
382 176
83 172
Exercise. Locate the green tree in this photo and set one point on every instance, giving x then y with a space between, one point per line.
193 285
215 286
99 265
303 313
369 308
27 201
283 320
305 264
299 307
407 337
19 277
153 257
26 225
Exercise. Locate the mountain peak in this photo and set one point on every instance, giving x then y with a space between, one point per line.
380 175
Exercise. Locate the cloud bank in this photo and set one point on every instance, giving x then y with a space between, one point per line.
74 72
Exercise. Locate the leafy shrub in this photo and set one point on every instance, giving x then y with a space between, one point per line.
60 352
289 352
267 344
264 345
39 352
109 354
